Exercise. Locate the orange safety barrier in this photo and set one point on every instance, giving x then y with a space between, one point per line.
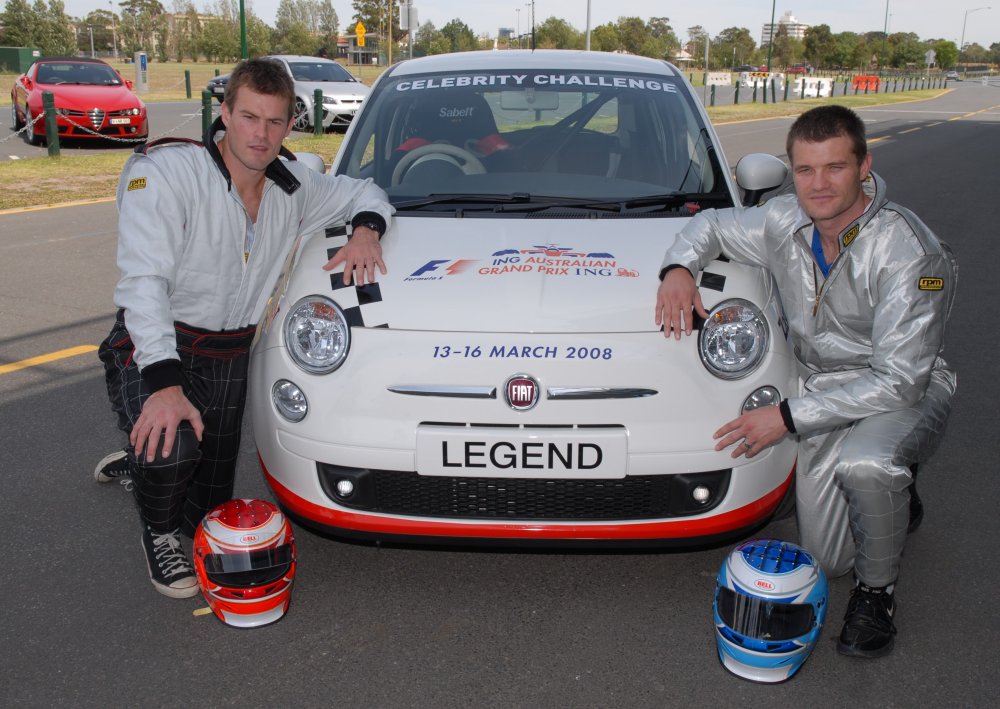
866 83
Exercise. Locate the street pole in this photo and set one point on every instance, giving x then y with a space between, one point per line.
588 25
114 34
517 13
243 32
770 42
961 45
885 39
92 55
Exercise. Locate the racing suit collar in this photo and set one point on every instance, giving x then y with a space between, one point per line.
276 171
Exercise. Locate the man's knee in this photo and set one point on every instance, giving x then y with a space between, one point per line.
184 456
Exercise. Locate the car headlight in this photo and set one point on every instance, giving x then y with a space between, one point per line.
330 100
734 339
317 335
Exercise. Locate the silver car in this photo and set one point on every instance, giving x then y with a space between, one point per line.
342 92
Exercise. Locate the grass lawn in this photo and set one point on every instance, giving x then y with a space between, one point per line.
44 181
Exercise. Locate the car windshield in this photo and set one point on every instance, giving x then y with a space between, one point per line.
319 71
80 73
518 139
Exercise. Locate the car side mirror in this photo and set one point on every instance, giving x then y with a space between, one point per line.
128 84
759 173
312 161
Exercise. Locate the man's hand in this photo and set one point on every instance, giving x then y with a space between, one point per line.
675 298
161 414
360 257
754 430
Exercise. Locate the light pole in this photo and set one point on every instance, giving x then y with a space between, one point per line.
961 46
885 38
770 41
588 25
91 28
532 6
114 34
517 12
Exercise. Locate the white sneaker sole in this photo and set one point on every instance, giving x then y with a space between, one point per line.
99 476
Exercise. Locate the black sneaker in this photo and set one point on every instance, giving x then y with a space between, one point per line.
868 629
916 506
113 466
169 569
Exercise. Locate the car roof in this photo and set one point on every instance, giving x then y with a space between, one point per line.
299 58
559 59
79 60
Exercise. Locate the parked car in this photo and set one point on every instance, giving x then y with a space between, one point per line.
91 99
217 86
343 94
797 69
505 381
744 67
952 76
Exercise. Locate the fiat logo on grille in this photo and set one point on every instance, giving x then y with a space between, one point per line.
521 392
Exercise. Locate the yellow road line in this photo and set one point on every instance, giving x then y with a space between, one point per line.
42 207
908 130
46 358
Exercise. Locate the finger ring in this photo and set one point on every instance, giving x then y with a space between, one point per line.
747 444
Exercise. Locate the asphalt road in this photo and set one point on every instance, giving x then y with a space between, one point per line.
392 627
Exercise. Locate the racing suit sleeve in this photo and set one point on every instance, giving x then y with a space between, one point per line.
741 233
338 198
906 340
151 237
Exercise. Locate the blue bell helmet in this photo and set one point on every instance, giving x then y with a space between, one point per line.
770 604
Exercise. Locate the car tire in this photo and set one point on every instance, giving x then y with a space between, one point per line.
300 118
15 120
30 137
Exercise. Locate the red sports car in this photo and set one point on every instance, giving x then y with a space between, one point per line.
92 100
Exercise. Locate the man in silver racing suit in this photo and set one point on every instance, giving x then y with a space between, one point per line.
867 289
204 229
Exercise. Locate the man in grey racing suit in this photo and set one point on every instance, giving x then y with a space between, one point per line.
204 230
866 288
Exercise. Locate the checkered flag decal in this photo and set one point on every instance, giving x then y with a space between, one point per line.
362 304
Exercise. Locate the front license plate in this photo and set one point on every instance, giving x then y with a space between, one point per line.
120 121
521 453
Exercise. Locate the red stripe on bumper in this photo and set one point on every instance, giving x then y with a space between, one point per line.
743 517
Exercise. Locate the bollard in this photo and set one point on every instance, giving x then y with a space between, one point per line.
846 82
51 131
187 82
206 112
713 95
318 112
754 100
774 95
736 99
763 93
216 71
787 83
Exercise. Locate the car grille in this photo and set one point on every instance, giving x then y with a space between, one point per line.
94 116
630 498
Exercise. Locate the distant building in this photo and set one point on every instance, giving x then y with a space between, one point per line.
796 29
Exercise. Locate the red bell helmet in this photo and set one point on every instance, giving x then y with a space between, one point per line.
244 557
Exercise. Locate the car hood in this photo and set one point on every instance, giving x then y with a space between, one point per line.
109 98
334 88
508 275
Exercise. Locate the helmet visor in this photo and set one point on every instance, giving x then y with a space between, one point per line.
249 569
761 619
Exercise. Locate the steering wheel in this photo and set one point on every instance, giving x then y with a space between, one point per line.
470 164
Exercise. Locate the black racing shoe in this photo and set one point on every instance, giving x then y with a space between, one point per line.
169 569
916 506
113 466
868 629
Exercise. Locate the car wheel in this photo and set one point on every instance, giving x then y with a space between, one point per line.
15 121
30 137
301 120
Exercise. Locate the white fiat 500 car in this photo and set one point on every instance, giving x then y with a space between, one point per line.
506 381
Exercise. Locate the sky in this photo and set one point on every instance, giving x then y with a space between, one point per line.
927 18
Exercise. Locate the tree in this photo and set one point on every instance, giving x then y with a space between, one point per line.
19 25
378 16
606 38
906 49
818 45
554 33
459 37
53 33
98 22
946 52
732 46
143 26
697 37
848 51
